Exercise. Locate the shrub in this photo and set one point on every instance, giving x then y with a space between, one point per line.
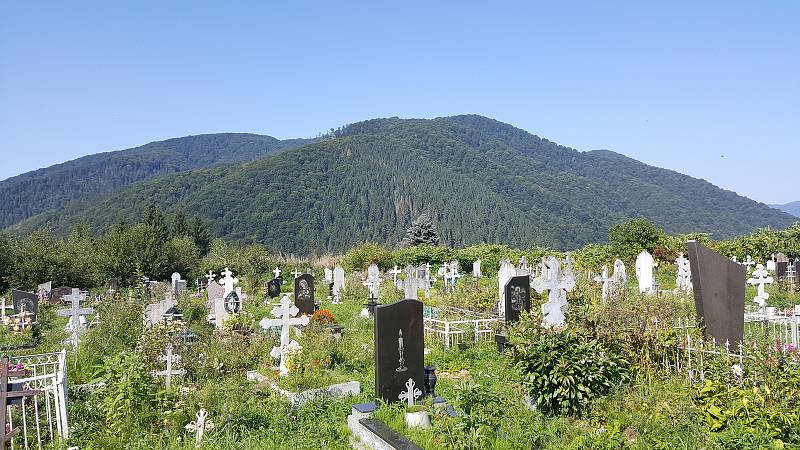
564 370
361 256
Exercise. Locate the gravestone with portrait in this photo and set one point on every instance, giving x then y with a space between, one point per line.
517 297
26 302
399 348
719 287
304 293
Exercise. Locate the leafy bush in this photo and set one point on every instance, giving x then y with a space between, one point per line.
630 238
362 256
564 370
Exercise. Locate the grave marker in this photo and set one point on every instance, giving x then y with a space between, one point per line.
399 348
304 293
285 318
644 272
517 297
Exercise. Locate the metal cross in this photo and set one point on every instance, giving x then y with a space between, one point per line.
199 426
75 314
170 359
410 394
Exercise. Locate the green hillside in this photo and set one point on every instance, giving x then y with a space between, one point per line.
95 177
479 179
792 208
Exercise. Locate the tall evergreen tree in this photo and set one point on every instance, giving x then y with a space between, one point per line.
422 232
201 235
180 226
155 218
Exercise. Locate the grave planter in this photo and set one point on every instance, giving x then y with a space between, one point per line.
419 419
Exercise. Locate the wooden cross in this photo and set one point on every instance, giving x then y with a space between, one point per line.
5 396
75 314
169 358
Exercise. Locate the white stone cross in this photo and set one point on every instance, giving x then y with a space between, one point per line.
75 314
285 318
395 272
228 281
454 275
760 278
169 358
557 285
748 262
603 278
296 273
277 272
210 275
199 426
410 394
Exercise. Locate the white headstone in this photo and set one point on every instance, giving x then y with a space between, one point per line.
373 281
644 272
771 264
504 275
411 284
338 283
557 284
476 269
605 282
328 275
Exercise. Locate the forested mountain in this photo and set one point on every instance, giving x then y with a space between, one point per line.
792 208
480 181
95 177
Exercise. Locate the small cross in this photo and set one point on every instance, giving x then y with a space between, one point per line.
200 426
285 318
394 273
410 394
228 281
277 272
210 275
169 358
296 273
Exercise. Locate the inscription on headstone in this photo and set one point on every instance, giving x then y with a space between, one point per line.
518 297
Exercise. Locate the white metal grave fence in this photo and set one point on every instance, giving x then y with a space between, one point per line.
42 418
452 326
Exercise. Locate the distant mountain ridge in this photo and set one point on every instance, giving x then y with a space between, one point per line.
94 177
479 179
792 208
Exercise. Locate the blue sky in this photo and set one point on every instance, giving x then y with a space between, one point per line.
676 85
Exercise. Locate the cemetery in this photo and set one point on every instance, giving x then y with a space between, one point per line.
669 342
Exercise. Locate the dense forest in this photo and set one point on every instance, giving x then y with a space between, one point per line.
95 177
792 208
478 179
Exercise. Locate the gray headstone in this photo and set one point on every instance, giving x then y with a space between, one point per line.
304 293
399 348
517 297
411 283
719 285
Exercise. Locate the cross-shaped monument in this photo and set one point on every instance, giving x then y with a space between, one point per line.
75 314
395 272
605 280
285 318
296 273
277 272
760 278
228 281
199 426
557 284
169 358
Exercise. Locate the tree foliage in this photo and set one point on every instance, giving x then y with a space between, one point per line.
421 232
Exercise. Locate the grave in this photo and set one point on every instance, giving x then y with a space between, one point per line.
77 316
557 284
399 348
476 270
605 283
719 286
304 293
338 284
170 359
285 318
274 286
517 297
760 278
683 274
411 283
155 312
26 303
504 275
644 272
373 281
178 285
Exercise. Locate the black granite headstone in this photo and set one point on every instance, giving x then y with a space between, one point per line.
518 297
112 285
304 293
25 301
718 286
399 348
274 287
781 269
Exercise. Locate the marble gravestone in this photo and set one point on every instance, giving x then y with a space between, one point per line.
771 264
25 301
504 275
338 283
644 272
304 293
399 348
411 283
517 297
476 269
274 286
43 290
781 265
719 286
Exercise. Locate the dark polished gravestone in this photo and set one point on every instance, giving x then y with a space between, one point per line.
518 297
274 287
399 348
304 293
25 301
718 286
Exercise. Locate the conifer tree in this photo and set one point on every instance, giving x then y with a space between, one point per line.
422 232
